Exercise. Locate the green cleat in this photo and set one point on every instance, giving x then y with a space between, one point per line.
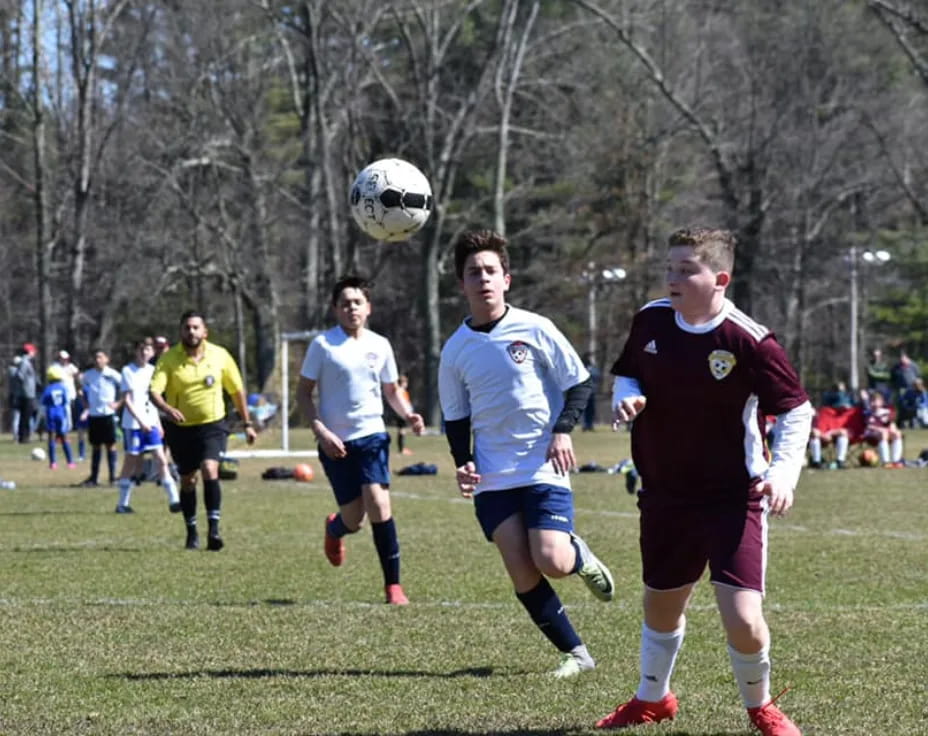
593 572
572 664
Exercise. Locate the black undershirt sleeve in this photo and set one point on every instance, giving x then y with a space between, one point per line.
575 400
458 433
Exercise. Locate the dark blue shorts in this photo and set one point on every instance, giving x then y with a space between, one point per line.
542 506
367 462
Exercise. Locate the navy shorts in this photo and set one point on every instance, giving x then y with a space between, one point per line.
367 462
542 506
677 544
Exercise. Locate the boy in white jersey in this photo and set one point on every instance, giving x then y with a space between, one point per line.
511 379
354 370
141 429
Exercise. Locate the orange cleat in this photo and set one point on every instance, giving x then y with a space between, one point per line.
636 711
396 596
334 546
771 721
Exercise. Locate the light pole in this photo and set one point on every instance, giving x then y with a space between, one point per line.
595 278
878 257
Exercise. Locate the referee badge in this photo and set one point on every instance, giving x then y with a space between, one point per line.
518 351
209 381
721 363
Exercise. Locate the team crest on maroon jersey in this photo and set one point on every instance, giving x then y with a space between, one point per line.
518 351
721 363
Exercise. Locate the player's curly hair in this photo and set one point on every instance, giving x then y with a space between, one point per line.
714 247
475 241
351 281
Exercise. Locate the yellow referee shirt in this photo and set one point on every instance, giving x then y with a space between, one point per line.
195 388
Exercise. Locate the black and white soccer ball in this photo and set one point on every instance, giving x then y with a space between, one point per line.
390 200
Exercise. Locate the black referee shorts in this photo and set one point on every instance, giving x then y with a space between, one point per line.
193 444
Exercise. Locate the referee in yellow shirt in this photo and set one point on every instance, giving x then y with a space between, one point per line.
187 387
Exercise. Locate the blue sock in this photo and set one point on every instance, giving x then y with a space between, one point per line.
549 615
388 549
81 448
337 527
51 449
66 446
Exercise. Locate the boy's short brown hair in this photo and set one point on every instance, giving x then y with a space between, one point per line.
475 241
714 247
351 281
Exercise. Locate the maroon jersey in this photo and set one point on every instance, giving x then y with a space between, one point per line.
700 437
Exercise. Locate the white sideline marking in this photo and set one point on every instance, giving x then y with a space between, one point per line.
271 453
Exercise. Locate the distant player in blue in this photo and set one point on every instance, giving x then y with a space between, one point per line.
56 406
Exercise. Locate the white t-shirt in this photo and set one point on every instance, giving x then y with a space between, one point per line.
69 373
135 382
511 383
349 372
102 388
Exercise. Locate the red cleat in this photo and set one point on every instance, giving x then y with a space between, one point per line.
334 546
771 721
635 712
396 596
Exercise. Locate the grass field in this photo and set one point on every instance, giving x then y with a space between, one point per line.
108 626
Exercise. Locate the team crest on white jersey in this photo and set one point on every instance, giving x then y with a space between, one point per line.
518 351
651 347
372 360
721 363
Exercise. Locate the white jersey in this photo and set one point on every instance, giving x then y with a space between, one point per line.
135 382
349 373
511 383
102 389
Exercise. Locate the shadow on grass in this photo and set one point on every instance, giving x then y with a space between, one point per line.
478 672
528 732
54 512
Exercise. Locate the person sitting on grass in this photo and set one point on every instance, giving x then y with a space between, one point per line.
882 432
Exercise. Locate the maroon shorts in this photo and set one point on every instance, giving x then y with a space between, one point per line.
677 544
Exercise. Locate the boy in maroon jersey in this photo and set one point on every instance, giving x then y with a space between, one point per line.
698 376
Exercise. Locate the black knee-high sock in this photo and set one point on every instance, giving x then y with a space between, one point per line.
95 463
212 498
188 506
546 610
111 463
388 549
401 441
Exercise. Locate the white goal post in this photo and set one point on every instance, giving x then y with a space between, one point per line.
285 339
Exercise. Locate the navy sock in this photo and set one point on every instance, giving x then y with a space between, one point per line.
212 497
111 463
337 527
95 463
388 549
548 613
51 448
66 446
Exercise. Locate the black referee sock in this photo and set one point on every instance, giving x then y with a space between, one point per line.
212 497
188 505
549 615
95 454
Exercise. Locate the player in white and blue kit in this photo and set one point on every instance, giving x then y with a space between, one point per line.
354 370
511 380
57 409
141 429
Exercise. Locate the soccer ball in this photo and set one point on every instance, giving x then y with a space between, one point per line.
869 458
303 472
37 453
390 199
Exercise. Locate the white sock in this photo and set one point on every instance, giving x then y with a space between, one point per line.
658 655
752 673
170 487
841 443
883 449
815 447
897 450
125 491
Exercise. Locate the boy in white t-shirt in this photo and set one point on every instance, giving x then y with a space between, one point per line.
354 370
141 429
512 380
